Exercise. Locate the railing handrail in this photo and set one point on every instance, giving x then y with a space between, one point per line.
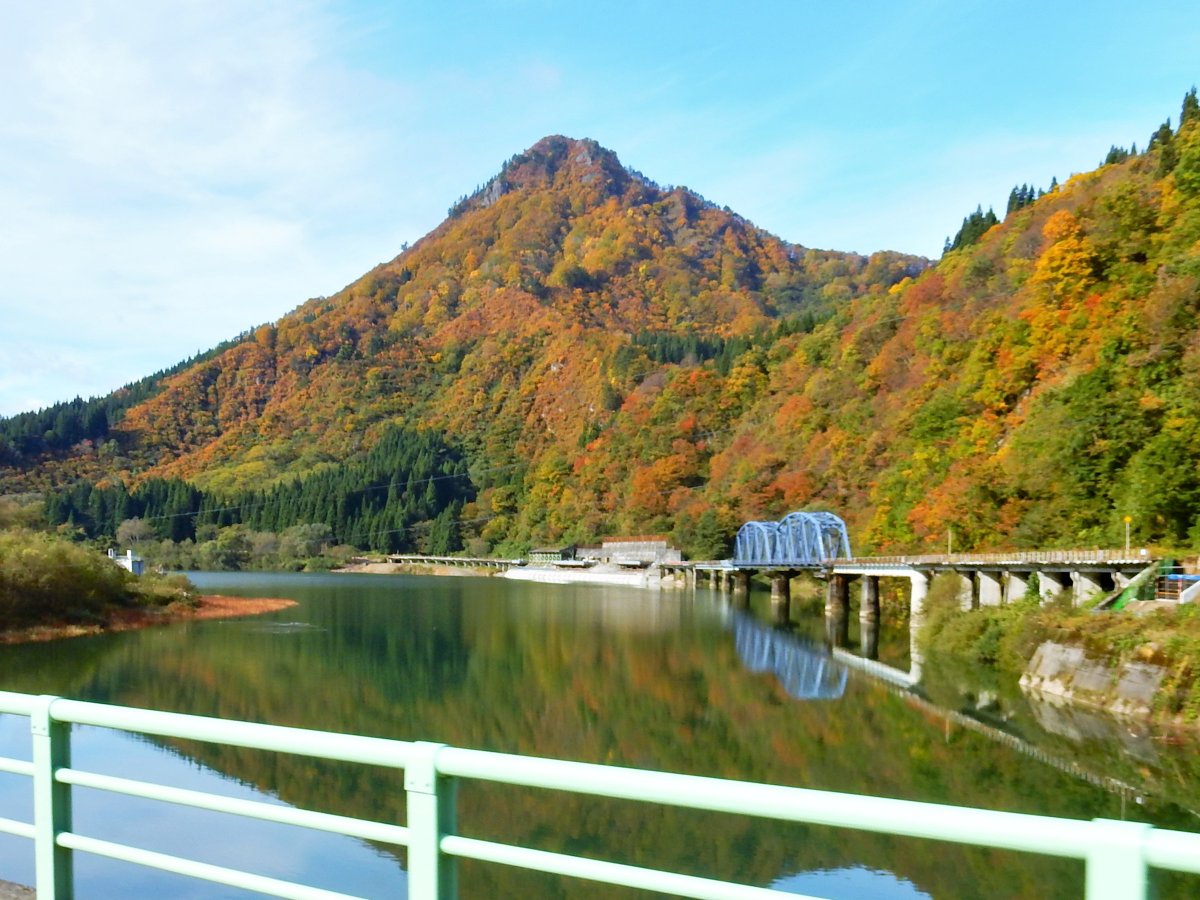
1116 853
1015 557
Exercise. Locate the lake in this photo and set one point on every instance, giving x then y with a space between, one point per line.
678 681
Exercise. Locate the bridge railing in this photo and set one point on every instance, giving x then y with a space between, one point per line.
1116 854
1016 557
477 562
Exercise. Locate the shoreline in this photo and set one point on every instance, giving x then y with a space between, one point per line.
209 606
613 576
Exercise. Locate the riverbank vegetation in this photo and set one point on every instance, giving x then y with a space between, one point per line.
409 489
48 579
1004 638
300 548
56 584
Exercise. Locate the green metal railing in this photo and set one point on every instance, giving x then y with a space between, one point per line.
1117 854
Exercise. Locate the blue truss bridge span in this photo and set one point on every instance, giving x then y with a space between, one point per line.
802 540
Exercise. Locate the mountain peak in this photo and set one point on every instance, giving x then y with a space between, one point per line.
555 159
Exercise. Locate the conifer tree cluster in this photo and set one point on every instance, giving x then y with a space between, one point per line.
1118 154
62 425
408 478
1163 138
973 228
1020 197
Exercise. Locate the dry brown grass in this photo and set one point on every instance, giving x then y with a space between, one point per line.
208 607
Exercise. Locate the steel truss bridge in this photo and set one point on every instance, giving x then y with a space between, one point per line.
803 540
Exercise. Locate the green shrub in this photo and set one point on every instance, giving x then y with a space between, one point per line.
45 578
998 636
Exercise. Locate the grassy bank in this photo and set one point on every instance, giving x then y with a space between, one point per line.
46 579
1004 639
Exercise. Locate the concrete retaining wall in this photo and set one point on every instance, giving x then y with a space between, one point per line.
1064 673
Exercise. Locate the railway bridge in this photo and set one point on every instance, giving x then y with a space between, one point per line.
817 542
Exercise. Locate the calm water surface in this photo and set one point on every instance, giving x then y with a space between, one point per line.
672 681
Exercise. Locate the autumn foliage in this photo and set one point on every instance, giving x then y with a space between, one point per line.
611 356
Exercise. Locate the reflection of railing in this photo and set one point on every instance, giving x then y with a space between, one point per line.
1116 854
804 673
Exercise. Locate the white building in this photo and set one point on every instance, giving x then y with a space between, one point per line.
636 552
134 564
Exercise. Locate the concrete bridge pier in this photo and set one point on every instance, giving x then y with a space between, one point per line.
1085 585
781 595
837 596
1015 585
916 601
781 587
837 610
990 590
1051 585
966 591
677 577
916 617
868 609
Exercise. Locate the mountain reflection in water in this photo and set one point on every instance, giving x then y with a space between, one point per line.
674 681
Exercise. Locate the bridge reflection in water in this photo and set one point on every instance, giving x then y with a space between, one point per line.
811 671
805 671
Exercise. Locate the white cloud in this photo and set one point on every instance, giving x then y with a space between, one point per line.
173 174
169 171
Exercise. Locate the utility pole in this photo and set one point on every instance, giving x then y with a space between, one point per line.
1128 519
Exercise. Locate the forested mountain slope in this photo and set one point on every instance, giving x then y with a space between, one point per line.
611 356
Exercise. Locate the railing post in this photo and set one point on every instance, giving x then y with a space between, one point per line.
51 803
1116 862
431 814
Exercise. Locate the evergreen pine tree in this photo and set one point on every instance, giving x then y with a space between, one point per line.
974 227
1160 137
1168 152
1191 108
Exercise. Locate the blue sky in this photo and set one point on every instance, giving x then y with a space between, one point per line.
174 173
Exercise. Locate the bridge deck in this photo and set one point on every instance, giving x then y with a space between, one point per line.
1025 559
